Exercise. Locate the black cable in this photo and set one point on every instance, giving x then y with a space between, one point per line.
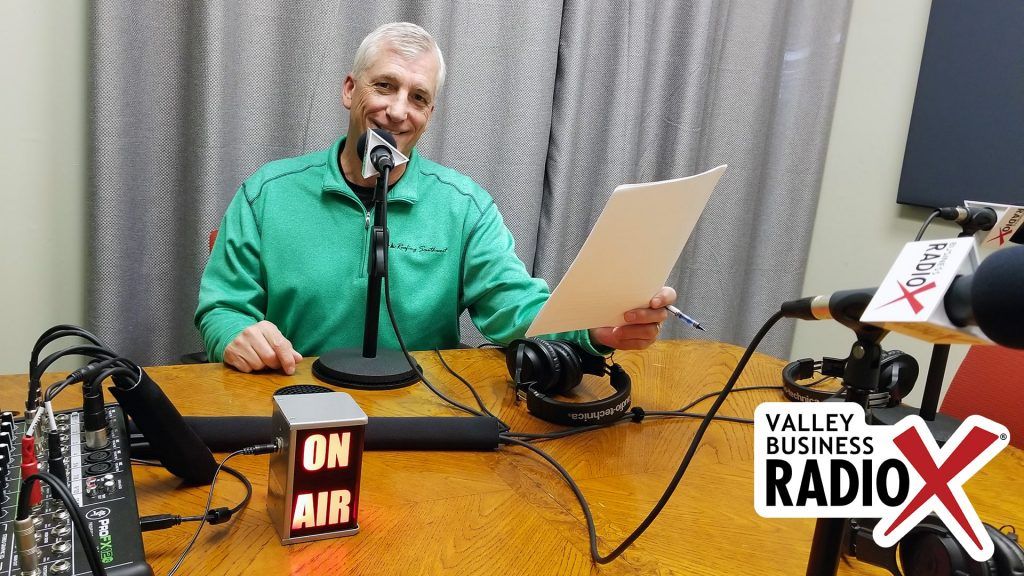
717 392
259 449
214 516
687 458
569 431
85 373
681 412
409 359
133 372
143 462
248 489
622 418
479 400
60 489
817 382
55 333
678 414
924 226
90 351
50 335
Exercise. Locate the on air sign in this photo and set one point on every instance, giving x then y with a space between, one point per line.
824 461
313 485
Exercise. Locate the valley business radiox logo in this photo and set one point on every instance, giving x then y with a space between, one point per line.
824 461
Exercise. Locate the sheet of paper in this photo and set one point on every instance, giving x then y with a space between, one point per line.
629 254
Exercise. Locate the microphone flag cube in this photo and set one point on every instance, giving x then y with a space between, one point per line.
911 298
1008 223
313 484
374 140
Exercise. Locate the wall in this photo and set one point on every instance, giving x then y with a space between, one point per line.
859 228
43 163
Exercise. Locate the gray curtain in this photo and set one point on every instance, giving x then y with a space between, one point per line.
548 105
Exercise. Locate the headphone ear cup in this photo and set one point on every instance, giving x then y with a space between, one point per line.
1008 559
897 375
535 362
571 373
929 544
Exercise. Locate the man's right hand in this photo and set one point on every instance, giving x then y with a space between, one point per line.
261 346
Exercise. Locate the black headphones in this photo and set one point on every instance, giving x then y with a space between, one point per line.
541 369
896 377
930 550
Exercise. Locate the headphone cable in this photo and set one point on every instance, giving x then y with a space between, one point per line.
479 400
687 458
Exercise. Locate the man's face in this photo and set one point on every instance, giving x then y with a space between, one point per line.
393 93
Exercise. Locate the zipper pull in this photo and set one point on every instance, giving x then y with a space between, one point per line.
367 214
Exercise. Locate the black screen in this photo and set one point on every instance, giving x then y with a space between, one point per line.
966 139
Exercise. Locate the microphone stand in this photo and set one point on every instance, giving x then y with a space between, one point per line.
861 380
370 368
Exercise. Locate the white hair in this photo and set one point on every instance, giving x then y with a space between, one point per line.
405 38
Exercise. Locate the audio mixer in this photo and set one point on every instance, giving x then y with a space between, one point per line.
101 482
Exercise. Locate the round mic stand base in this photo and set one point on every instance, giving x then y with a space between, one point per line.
347 368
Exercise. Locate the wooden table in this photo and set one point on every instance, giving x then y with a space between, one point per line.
509 512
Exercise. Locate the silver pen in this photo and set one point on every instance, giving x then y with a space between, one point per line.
679 314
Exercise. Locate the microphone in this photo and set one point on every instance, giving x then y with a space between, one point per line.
380 155
975 218
992 298
843 306
989 299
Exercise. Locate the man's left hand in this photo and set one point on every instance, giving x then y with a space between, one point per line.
641 327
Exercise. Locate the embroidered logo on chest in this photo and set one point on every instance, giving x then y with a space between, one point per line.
418 248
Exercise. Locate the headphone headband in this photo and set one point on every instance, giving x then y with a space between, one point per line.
600 411
898 372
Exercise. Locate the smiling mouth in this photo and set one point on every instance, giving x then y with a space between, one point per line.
372 126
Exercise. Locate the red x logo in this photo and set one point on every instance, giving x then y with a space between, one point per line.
1002 235
910 295
937 478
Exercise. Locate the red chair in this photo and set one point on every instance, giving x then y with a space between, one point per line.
990 382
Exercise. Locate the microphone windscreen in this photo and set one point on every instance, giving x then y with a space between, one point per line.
997 296
477 433
230 433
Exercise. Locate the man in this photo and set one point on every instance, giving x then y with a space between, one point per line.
288 273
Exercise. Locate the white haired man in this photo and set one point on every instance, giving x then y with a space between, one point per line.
287 275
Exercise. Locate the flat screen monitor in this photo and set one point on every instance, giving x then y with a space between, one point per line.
966 139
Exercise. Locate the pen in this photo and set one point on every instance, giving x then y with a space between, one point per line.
679 314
